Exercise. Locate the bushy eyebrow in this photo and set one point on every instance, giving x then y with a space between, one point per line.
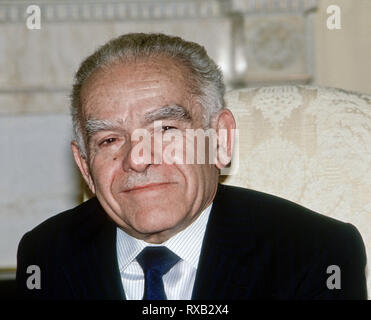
93 126
172 112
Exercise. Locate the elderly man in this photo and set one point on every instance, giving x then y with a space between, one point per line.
160 229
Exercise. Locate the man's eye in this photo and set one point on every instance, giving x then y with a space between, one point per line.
166 128
109 141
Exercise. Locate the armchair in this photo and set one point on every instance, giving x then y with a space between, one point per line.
310 145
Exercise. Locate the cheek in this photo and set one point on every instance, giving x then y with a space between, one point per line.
199 178
103 170
192 175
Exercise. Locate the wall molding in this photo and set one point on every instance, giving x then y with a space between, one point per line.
86 11
34 100
131 10
34 90
275 6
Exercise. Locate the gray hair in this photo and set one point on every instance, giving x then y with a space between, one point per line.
205 80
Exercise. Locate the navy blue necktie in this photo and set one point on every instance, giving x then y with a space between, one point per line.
155 262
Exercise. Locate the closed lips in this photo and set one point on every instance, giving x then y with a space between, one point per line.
150 185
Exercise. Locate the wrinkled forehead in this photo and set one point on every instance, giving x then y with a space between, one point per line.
159 80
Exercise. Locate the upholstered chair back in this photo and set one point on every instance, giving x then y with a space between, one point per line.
310 145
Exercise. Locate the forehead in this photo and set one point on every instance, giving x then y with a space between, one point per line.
133 88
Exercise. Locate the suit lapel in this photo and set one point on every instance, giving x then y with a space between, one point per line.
107 264
222 267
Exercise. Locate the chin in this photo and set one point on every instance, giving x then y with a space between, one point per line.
155 222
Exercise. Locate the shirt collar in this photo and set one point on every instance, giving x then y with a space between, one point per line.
186 243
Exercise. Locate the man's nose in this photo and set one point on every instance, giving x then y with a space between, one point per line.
138 157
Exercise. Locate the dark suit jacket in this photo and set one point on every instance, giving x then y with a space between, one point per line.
256 246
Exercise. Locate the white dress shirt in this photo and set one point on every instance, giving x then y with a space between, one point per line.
179 281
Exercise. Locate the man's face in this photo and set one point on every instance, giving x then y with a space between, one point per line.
149 201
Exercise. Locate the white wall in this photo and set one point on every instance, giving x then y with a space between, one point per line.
38 178
343 56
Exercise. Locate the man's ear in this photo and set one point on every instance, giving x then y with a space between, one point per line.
82 163
225 126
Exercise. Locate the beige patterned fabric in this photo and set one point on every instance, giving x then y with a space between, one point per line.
310 145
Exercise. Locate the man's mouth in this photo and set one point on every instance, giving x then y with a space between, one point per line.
148 186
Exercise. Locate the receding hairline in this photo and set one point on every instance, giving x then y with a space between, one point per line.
162 58
106 68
